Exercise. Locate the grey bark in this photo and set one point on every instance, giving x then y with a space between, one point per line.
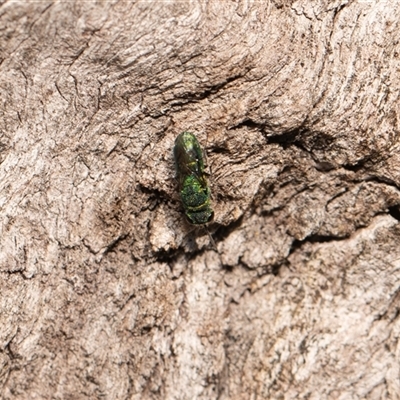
107 292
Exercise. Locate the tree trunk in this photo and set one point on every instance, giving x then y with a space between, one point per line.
108 292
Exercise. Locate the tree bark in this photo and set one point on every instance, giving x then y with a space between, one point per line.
106 290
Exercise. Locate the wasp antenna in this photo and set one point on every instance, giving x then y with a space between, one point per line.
214 245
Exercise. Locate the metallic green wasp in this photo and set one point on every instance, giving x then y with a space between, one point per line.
193 186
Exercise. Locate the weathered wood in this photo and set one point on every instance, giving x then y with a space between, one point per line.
106 291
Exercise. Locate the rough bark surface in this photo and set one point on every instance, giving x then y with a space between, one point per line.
106 291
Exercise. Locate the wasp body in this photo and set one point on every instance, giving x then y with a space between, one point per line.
193 186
